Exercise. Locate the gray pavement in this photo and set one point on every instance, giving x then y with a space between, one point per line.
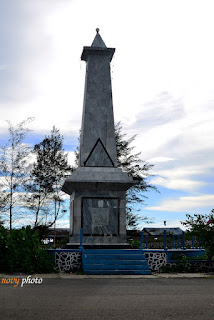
107 297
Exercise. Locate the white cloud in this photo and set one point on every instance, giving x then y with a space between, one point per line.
30 220
160 159
177 184
71 158
3 67
186 204
185 171
64 223
182 177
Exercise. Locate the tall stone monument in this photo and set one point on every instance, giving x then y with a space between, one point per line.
97 188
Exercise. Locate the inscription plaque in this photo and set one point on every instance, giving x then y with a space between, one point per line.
100 216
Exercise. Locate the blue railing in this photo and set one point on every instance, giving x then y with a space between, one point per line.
81 239
180 241
141 240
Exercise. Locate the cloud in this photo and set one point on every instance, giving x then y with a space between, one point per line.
23 46
160 159
63 223
182 177
26 220
162 109
185 171
177 184
3 67
180 147
186 204
71 157
37 80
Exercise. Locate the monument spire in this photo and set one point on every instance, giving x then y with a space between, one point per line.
97 187
97 143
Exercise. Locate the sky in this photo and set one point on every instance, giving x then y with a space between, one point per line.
162 81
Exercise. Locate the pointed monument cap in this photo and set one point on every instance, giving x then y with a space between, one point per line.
98 41
98 47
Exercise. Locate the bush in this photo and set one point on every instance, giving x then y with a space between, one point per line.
135 243
183 257
172 268
202 226
20 252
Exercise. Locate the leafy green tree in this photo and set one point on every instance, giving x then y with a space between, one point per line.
139 170
14 170
202 226
47 176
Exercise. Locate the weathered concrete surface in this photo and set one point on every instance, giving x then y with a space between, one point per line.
115 299
98 178
97 172
98 117
81 215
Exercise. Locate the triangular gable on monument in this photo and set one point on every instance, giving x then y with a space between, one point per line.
99 156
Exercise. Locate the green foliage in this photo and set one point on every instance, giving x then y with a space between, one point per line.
3 247
79 271
47 176
20 252
134 243
138 169
183 257
202 226
178 267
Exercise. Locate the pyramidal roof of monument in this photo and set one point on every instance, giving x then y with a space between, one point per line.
98 41
99 156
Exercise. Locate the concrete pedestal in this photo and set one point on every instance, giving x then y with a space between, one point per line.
101 214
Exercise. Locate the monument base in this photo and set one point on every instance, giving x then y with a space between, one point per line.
101 215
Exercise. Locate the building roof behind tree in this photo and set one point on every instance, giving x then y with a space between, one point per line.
160 231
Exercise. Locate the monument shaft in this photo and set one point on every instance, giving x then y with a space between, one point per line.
97 187
98 118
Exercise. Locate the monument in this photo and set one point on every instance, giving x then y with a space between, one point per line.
97 188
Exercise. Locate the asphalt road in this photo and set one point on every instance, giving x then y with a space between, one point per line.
109 299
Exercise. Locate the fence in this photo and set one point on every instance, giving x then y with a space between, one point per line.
169 242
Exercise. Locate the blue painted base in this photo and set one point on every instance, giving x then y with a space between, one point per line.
115 262
117 272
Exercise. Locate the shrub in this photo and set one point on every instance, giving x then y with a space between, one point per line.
202 226
21 252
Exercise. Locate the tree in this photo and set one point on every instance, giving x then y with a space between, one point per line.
14 169
139 170
47 175
202 226
136 168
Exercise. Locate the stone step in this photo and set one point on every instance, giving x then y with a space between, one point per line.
114 256
115 267
115 262
118 272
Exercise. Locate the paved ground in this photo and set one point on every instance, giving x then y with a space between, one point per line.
109 298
